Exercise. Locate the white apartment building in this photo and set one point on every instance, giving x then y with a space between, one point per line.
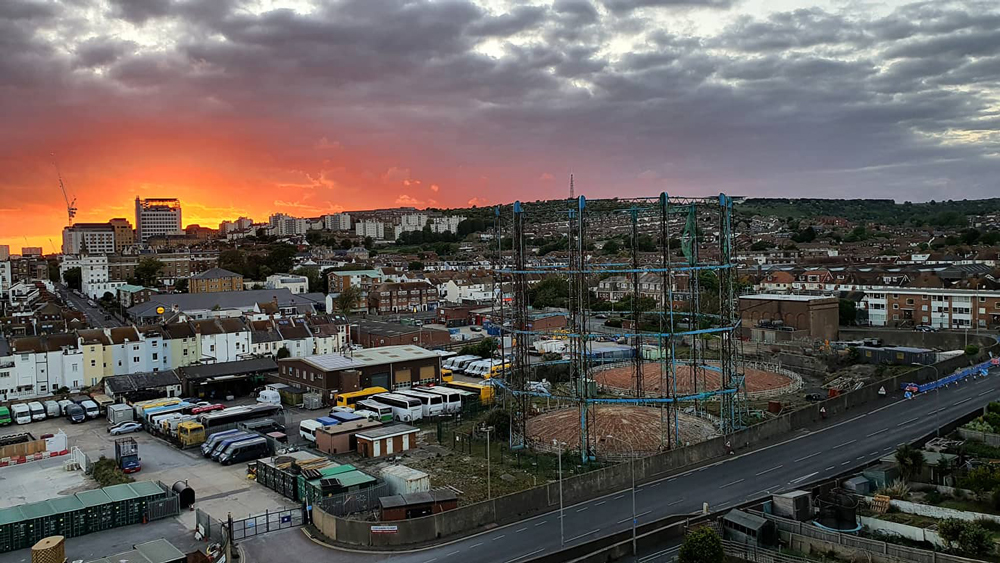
443 224
291 282
337 222
281 225
157 217
239 225
4 252
92 238
368 228
94 274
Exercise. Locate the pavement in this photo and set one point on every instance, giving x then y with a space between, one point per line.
95 315
808 455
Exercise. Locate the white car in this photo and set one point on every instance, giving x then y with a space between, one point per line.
125 428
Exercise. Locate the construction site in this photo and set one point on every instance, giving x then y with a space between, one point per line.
672 372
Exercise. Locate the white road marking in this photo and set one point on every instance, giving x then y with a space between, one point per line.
733 483
540 523
520 530
962 401
454 552
829 468
846 462
619 497
769 470
475 545
905 422
600 503
582 509
675 502
537 551
584 535
876 433
807 457
844 444
803 478
500 537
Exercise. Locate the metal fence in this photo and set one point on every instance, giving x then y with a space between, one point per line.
207 526
758 554
885 549
364 500
80 460
163 508
255 525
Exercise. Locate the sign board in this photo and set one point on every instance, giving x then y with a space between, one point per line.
384 529
160 310
287 518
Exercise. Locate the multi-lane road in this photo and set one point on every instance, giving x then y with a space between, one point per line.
840 445
96 317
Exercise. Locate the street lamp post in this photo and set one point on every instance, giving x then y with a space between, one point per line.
937 399
562 532
489 481
635 551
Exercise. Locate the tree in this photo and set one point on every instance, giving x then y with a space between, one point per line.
910 461
415 265
484 348
147 271
971 350
283 353
551 292
612 247
348 300
761 245
965 537
369 243
181 285
848 312
702 546
73 278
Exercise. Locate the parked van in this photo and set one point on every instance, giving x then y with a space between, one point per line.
214 439
308 428
76 414
5 418
22 415
52 409
221 447
269 396
37 410
63 404
91 408
246 450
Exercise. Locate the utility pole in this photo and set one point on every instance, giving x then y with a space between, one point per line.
562 531
489 481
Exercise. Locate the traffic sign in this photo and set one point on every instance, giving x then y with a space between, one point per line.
384 529
881 391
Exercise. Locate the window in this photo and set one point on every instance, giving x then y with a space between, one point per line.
93 363
74 367
155 356
982 300
185 353
135 359
211 348
895 317
909 301
895 305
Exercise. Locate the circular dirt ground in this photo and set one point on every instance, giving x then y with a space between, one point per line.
638 425
708 380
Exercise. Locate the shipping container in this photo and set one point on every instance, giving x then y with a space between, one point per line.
120 413
403 480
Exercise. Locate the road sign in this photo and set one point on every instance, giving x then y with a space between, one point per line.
881 391
384 529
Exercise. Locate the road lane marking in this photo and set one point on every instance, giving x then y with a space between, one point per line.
803 478
844 444
671 479
846 462
733 483
582 509
962 401
537 551
859 458
829 468
540 523
876 433
807 457
519 531
984 393
475 545
585 535
675 502
429 560
600 503
873 453
619 497
641 514
500 537
769 470
905 422
454 552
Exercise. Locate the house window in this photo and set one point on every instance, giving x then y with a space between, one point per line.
155 356
895 305
211 348
135 359
185 353
93 363
74 367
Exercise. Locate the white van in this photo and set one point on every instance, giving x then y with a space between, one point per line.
20 413
37 410
63 404
269 397
91 408
52 409
308 428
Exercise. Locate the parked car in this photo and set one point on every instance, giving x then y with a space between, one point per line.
925 328
814 397
475 329
125 428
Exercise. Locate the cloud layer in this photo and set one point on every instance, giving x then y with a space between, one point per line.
307 106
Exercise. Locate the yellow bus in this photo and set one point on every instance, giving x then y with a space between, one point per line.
485 392
447 375
142 406
349 399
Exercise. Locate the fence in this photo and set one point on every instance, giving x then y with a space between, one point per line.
988 438
255 525
81 460
363 500
207 526
758 554
883 550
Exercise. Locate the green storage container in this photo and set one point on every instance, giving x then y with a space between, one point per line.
125 504
39 521
70 515
10 519
97 509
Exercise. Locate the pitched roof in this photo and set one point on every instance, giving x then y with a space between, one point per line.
93 336
243 300
139 381
215 273
240 367
122 334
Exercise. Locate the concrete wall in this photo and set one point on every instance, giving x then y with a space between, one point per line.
948 340
904 530
941 512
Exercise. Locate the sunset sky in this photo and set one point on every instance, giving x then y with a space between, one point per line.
313 106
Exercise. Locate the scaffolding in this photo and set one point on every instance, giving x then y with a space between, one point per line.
675 293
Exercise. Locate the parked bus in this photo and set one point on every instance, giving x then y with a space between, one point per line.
246 450
214 439
461 366
430 403
485 392
405 409
213 421
207 408
374 410
452 397
141 406
352 397
149 413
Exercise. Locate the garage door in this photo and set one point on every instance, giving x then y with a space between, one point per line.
381 380
427 373
402 376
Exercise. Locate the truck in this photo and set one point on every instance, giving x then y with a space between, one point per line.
127 455
103 401
120 413
190 433
5 418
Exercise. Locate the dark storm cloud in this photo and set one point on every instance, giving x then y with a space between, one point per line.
802 100
25 10
138 11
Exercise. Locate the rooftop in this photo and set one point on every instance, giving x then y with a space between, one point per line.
215 273
387 431
331 362
784 297
392 354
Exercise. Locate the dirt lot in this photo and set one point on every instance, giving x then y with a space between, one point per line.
621 378
638 426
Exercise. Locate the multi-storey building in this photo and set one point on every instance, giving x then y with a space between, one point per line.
369 228
241 224
89 238
446 224
94 274
124 235
4 252
365 280
337 222
157 216
940 308
281 225
176 265
403 297
292 282
215 280
6 278
31 251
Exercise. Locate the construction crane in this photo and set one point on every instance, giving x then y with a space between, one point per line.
70 205
53 245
